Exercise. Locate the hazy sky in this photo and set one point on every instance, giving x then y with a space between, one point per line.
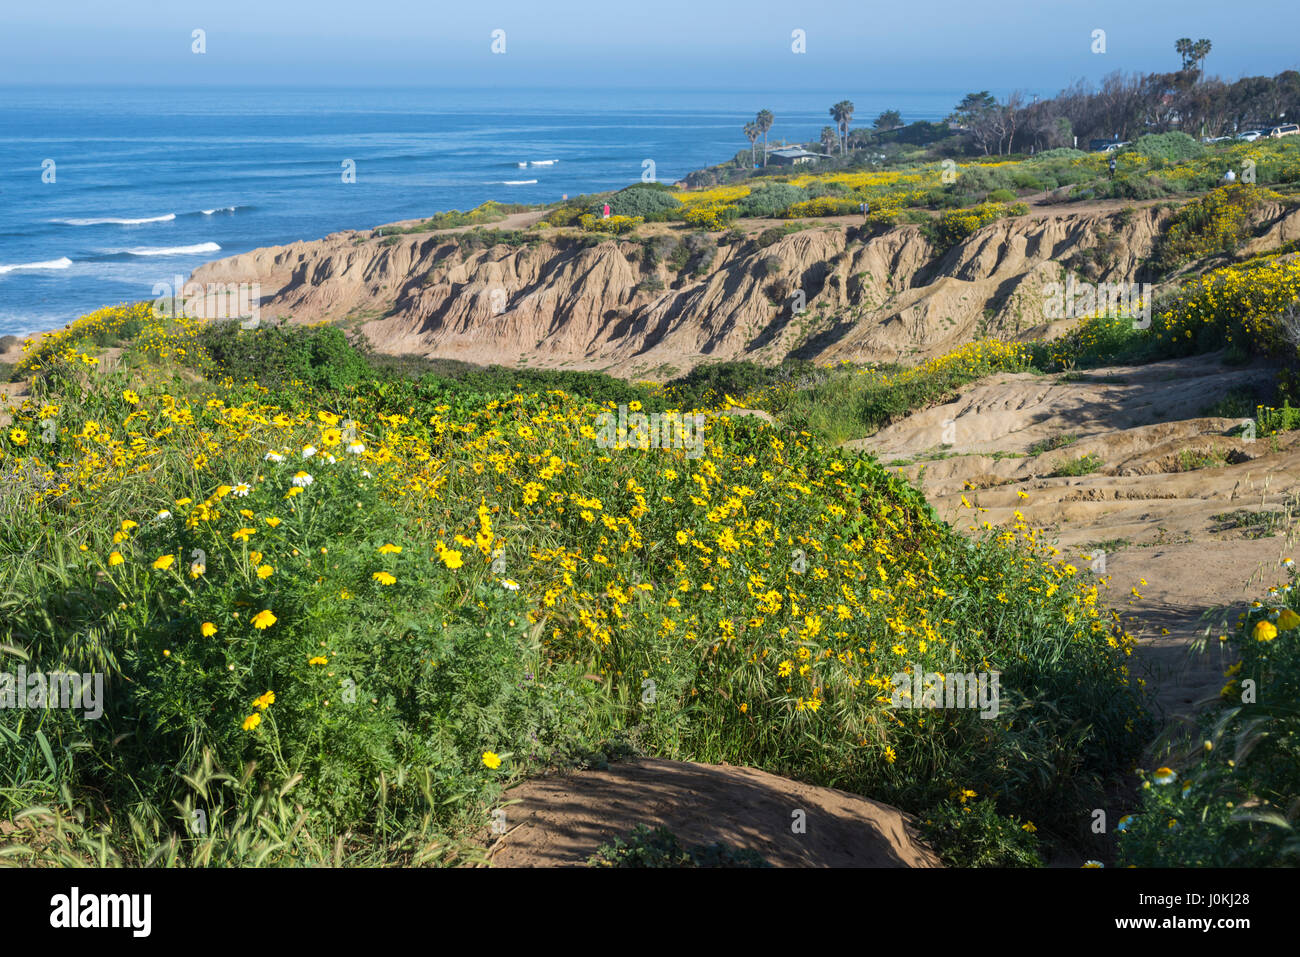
1036 45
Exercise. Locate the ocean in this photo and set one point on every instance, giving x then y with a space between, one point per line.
106 193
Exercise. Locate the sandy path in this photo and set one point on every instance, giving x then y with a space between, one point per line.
1198 545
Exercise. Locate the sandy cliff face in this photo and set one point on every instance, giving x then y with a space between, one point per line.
884 295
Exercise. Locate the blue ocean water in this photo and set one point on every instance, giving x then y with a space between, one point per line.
150 183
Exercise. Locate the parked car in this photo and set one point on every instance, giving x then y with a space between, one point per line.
1286 129
1250 136
1115 146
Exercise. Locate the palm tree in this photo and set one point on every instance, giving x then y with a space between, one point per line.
764 122
1183 47
1200 50
829 139
842 113
752 133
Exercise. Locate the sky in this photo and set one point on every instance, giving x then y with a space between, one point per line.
1038 46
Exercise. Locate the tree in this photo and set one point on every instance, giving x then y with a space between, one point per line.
752 133
977 113
764 122
830 139
842 113
888 120
1200 50
1183 47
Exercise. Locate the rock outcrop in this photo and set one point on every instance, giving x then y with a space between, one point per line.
635 309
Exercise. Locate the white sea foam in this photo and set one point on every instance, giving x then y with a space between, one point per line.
110 221
63 262
173 250
516 182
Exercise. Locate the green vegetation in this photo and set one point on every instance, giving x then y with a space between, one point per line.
1230 799
1083 465
339 616
970 833
661 848
1052 444
1217 223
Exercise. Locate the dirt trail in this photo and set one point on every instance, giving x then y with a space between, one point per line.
1188 523
563 819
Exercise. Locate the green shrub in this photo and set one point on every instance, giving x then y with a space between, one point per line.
1232 799
1170 147
823 206
712 216
1083 465
279 356
970 833
649 202
1216 223
661 848
771 200
615 225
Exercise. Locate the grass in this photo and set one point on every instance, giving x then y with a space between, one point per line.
1108 545
1189 460
1255 523
1052 444
1083 465
1229 797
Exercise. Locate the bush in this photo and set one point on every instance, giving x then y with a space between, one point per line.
280 356
695 254
615 225
648 202
1060 153
1216 223
952 227
771 200
970 833
660 249
1170 147
1083 465
1002 196
712 216
977 181
489 212
823 206
707 385
1232 798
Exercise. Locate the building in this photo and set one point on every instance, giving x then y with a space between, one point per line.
792 156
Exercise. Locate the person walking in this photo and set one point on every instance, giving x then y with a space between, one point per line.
606 216
1112 167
